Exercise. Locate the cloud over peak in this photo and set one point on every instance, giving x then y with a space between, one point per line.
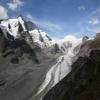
3 13
94 21
15 4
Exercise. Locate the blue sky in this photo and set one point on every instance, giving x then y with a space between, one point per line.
58 17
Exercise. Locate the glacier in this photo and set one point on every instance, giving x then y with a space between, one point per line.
63 65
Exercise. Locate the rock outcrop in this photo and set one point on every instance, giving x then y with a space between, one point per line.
2 41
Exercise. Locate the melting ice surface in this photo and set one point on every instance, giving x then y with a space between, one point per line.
62 67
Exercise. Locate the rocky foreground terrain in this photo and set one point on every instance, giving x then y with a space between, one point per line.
34 66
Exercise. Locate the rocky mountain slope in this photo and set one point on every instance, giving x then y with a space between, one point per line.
83 82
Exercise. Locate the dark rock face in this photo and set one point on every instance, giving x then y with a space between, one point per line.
3 41
49 38
15 60
56 47
20 28
2 81
9 26
30 26
41 38
83 82
85 38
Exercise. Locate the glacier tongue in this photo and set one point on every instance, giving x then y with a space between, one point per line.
61 68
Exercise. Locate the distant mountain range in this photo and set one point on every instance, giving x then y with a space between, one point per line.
35 66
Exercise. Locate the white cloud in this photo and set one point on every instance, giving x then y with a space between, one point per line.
94 21
81 7
3 12
71 38
15 4
45 24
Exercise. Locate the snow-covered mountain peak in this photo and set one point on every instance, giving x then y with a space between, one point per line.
18 28
12 25
42 38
